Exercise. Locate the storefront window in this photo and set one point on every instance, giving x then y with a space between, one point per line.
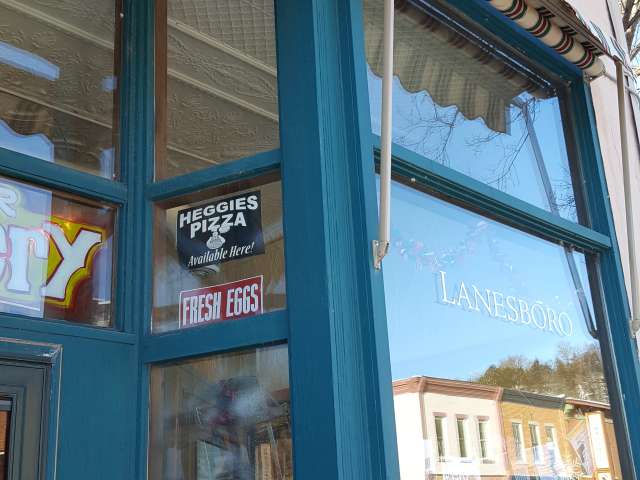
222 417
488 322
461 104
216 83
59 67
56 255
219 255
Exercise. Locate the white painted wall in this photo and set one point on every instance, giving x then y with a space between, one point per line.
411 445
472 408
419 455
606 14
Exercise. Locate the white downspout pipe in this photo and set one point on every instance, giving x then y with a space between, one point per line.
381 246
626 173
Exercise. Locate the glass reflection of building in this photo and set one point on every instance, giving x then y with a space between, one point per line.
543 450
507 316
454 429
448 428
117 114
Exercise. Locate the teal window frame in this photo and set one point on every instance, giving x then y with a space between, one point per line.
619 352
335 323
93 187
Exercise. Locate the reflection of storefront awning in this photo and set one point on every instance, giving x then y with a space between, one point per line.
455 70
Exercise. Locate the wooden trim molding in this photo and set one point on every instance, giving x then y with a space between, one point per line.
161 87
588 404
456 388
532 399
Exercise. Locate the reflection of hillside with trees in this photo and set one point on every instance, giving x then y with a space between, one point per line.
574 372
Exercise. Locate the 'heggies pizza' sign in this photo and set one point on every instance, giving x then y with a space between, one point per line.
43 258
220 231
229 301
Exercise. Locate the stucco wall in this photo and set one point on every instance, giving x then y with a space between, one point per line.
417 442
411 444
472 408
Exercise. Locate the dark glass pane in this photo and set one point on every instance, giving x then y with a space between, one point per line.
223 417
59 67
489 324
458 104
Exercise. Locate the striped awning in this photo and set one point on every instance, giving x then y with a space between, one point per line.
433 57
557 25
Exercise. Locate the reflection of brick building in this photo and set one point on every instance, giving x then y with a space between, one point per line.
535 431
590 432
452 429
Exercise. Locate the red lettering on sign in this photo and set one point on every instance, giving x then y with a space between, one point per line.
218 303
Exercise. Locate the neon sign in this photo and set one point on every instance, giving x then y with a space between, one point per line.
43 258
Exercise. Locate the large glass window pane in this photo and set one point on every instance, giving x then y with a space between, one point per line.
217 85
219 255
222 417
460 104
56 255
489 322
59 67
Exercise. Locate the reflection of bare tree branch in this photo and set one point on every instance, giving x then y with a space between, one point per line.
430 130
631 22
508 161
505 173
436 132
565 196
432 121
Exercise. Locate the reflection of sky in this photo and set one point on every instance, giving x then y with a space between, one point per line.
504 161
430 338
34 145
28 61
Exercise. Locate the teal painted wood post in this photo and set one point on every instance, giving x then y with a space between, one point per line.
327 193
619 350
138 142
377 338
